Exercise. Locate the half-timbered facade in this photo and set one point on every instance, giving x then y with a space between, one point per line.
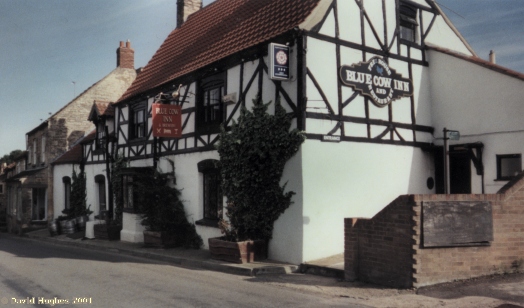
362 78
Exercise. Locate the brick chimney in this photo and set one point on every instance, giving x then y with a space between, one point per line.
184 8
125 55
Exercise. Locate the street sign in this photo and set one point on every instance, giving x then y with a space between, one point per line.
453 135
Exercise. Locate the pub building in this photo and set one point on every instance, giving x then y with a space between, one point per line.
379 87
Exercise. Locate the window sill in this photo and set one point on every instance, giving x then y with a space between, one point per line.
130 211
207 222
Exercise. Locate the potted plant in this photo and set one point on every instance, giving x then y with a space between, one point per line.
163 214
252 159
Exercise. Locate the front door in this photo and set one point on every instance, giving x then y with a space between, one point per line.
459 172
39 204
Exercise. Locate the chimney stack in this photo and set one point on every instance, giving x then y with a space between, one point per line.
125 55
492 57
184 8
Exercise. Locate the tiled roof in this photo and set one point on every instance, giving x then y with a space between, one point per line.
105 108
219 30
74 155
478 61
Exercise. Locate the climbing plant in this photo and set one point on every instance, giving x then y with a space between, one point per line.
117 165
253 154
78 196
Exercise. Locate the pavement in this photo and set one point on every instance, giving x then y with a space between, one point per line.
195 258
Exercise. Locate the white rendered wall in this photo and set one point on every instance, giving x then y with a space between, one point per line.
60 171
484 105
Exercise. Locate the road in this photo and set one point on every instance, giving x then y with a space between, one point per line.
52 275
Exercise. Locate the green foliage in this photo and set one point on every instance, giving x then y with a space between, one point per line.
9 158
162 209
116 184
77 199
252 159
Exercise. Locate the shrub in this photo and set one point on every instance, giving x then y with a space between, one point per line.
252 159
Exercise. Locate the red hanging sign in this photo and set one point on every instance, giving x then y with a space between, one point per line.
167 121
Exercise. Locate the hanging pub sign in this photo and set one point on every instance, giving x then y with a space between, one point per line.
279 61
167 121
376 80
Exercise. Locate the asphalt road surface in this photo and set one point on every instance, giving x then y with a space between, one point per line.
53 276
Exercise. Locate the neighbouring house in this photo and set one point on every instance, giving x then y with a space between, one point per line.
52 138
3 197
372 83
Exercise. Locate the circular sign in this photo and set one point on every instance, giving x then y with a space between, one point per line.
281 57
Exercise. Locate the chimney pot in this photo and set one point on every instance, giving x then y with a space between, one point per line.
492 57
125 55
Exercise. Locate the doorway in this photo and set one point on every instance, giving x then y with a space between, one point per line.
459 171
39 204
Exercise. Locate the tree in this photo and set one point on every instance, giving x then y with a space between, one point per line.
9 158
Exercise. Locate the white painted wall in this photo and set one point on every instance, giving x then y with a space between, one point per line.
60 171
484 105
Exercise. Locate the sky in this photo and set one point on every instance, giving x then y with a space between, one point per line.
52 50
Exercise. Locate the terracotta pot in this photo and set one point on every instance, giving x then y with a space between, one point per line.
237 252
163 239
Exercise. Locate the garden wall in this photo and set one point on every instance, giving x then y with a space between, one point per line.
389 249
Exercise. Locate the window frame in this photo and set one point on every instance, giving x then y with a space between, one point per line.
134 128
209 170
67 191
100 142
407 16
100 181
500 176
208 121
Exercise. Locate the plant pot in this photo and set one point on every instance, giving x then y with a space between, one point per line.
68 226
162 239
107 232
237 252
81 222
54 227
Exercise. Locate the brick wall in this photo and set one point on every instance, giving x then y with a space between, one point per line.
387 248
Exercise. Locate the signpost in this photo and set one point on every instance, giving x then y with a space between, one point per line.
448 135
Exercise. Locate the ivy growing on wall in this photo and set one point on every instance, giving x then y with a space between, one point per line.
117 165
162 209
252 159
78 196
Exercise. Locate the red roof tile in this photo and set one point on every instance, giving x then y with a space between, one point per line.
105 108
219 30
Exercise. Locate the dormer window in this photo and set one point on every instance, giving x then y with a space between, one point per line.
100 135
408 23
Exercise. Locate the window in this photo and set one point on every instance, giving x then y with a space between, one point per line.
128 192
34 152
137 127
42 151
29 155
67 191
100 181
508 166
1 189
408 23
100 135
209 104
212 192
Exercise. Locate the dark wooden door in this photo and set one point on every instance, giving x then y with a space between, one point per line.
459 173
